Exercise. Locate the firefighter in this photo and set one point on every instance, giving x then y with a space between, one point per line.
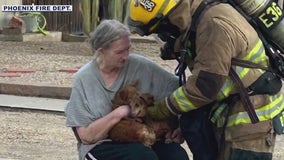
242 103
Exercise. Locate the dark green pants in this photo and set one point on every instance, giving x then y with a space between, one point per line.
137 151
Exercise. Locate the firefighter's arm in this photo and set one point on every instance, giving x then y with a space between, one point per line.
162 110
198 91
215 50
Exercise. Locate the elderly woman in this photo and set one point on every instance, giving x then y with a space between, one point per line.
89 110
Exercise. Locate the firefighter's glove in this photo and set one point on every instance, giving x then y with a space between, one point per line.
161 110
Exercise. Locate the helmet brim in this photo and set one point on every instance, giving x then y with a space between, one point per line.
144 29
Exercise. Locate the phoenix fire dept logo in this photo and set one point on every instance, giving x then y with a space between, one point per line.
148 5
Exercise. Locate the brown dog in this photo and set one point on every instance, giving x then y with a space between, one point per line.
139 127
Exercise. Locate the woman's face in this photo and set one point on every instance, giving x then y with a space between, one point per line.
117 53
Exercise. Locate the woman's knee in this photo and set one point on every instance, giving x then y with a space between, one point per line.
139 151
170 151
123 151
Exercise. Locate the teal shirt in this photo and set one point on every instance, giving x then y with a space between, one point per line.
91 100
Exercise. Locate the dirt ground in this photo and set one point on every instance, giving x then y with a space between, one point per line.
29 135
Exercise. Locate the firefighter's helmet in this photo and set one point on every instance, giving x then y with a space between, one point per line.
145 15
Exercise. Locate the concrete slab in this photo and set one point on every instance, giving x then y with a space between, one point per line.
34 103
17 37
35 90
83 38
144 39
73 38
51 36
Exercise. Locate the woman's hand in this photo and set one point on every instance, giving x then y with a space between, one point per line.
99 128
122 111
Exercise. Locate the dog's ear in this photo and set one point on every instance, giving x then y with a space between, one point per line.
135 83
120 98
122 95
148 99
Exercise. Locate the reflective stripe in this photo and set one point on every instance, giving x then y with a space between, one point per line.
257 55
218 112
184 104
226 89
220 96
90 156
242 72
257 49
266 112
262 59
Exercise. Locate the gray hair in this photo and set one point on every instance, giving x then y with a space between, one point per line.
107 32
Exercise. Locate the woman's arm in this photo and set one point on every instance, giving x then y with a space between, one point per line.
98 129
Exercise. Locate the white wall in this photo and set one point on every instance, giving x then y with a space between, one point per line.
6 16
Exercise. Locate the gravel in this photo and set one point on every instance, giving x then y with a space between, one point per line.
28 135
49 57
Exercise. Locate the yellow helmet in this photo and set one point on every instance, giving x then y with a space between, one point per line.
145 15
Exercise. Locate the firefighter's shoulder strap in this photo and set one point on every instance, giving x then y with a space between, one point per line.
244 96
191 37
272 49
